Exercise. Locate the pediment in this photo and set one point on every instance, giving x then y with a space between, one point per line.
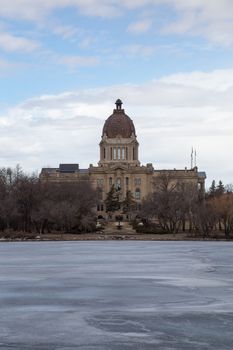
120 166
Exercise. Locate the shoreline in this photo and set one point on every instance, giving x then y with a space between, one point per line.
111 237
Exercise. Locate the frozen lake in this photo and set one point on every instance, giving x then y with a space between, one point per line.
116 295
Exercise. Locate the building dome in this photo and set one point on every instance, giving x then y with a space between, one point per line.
118 124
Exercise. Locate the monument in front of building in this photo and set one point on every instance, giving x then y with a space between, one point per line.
120 167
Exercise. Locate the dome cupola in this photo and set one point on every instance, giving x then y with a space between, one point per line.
119 143
118 124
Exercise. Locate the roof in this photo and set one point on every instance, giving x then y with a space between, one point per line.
118 124
202 174
48 170
68 168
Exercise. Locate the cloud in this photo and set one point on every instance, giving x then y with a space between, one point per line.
171 115
76 61
32 10
139 50
218 80
210 19
11 43
140 27
66 32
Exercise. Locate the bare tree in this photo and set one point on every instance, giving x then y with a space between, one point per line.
205 219
229 188
169 203
28 205
223 209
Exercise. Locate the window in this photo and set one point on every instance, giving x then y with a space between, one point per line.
137 182
100 207
127 181
119 153
100 182
123 153
114 153
137 193
104 153
110 181
126 153
111 153
133 153
118 184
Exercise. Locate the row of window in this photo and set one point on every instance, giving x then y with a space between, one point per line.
100 207
119 153
137 182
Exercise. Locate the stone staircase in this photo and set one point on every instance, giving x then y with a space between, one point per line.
112 229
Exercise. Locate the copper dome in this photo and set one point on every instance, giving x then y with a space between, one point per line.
118 124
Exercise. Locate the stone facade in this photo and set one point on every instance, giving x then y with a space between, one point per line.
119 166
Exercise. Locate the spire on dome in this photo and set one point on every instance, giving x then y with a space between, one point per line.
118 104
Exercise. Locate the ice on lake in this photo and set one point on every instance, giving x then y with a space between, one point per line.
116 295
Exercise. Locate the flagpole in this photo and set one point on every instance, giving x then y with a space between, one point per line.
192 158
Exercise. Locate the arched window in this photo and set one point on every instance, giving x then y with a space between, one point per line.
110 181
137 193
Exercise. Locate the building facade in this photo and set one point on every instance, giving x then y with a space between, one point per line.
120 167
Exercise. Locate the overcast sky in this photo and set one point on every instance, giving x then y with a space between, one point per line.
63 64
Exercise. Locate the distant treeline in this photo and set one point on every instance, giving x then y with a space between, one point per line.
29 205
180 208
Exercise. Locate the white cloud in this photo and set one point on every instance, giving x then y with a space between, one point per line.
140 27
219 80
139 50
33 10
66 32
76 61
11 43
171 115
211 19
